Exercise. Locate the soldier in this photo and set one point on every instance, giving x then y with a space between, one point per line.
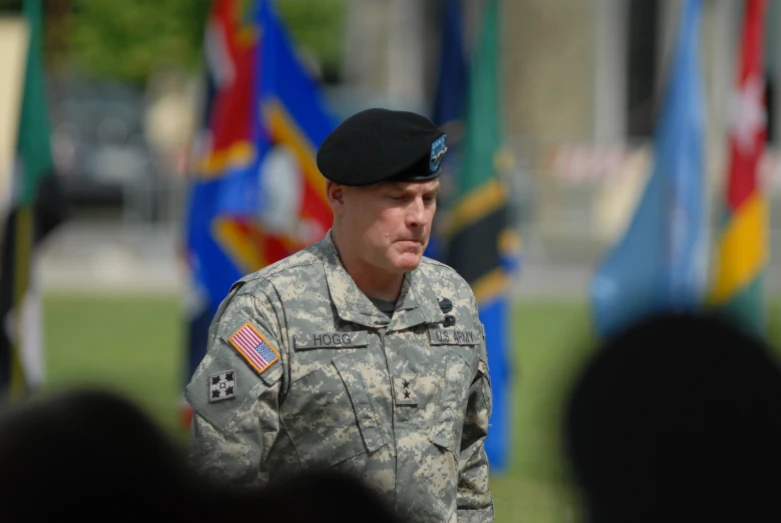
357 354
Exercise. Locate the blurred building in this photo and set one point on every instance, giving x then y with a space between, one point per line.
581 86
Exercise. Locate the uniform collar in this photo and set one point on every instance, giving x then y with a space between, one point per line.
351 304
416 303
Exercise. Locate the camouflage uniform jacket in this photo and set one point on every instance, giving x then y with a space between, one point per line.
403 403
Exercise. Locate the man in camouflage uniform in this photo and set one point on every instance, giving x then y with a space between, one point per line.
356 354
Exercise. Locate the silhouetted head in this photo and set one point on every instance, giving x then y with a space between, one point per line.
69 453
322 496
677 418
97 457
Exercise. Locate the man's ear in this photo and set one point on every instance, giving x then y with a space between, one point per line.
335 194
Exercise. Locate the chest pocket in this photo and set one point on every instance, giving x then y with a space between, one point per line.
329 414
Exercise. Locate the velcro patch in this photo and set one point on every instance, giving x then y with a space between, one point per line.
222 386
256 349
454 337
405 390
332 340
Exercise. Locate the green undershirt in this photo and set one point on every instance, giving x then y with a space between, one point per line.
384 305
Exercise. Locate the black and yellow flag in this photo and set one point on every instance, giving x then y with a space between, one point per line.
479 234
36 208
482 247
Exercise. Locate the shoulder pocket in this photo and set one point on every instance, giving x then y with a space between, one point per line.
485 380
448 424
223 383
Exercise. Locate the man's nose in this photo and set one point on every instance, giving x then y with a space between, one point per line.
417 214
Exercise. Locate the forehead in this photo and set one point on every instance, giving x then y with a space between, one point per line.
416 187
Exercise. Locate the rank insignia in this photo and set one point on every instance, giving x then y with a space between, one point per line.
438 151
445 305
405 390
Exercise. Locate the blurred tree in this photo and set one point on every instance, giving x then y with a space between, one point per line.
128 41
317 27
14 6
57 16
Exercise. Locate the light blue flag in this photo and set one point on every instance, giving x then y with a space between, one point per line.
659 264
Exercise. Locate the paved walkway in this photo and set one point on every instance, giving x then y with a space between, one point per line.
110 258
115 258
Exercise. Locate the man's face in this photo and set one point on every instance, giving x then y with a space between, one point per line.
388 224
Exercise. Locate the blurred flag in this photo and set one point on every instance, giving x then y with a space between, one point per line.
220 51
449 107
281 198
479 238
742 251
37 207
659 264
450 99
256 195
221 147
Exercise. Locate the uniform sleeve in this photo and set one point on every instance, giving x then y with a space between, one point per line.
233 454
235 393
474 497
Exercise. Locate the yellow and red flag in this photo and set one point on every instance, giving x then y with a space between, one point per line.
742 252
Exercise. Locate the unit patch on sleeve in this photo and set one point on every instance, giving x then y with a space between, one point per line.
222 386
258 352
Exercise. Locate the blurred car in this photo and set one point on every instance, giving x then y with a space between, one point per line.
98 142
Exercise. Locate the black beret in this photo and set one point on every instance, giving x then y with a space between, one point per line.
378 145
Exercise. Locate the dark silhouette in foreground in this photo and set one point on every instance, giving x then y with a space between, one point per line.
94 456
678 418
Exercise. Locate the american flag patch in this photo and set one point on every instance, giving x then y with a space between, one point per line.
253 346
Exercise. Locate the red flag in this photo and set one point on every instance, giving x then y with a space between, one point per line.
747 132
743 242
229 54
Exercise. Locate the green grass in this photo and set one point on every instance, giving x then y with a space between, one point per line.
133 345
129 345
551 339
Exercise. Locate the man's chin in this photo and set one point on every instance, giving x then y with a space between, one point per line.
408 262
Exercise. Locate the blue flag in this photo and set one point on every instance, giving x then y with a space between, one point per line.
448 114
450 101
480 240
257 196
659 264
283 188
